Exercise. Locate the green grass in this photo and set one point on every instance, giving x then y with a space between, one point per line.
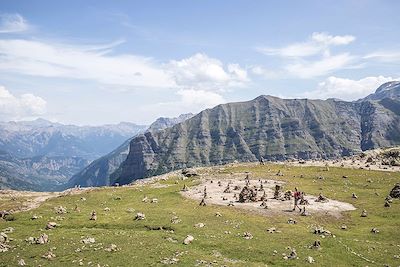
142 247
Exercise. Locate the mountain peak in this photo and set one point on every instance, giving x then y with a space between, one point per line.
388 86
386 90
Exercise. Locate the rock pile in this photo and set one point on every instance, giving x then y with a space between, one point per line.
395 192
247 195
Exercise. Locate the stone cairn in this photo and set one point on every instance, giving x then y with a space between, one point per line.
321 198
278 192
203 201
395 192
247 195
93 216
185 188
228 189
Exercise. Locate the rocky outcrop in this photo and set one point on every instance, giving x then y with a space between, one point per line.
268 127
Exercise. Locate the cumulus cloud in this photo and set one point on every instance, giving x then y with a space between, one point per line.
204 72
12 23
22 107
347 89
317 43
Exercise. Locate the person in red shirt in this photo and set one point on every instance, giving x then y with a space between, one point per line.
297 196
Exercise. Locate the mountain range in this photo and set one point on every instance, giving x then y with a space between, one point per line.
43 155
267 127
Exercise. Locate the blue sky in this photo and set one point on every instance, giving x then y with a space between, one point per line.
96 62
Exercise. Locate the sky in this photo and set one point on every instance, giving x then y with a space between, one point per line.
95 62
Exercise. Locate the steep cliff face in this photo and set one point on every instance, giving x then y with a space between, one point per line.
98 172
266 127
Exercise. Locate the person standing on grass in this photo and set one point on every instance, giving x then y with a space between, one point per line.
297 196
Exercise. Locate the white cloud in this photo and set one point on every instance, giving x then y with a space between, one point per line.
318 43
12 23
326 65
97 63
22 107
311 58
347 89
203 72
264 72
188 100
81 62
384 56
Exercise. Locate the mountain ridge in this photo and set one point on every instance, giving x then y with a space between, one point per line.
267 127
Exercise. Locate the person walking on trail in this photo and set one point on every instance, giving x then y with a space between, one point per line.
297 196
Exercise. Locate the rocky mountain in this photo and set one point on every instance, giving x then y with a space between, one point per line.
387 90
163 123
98 172
45 138
268 127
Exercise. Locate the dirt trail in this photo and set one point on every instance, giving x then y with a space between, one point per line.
216 195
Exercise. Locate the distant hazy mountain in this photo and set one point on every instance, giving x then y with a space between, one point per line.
42 155
39 173
98 172
267 127
44 138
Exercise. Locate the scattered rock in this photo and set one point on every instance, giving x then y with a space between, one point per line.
291 221
49 255
310 259
140 216
43 239
364 213
88 240
93 216
60 210
344 227
189 239
247 235
395 192
321 198
51 225
353 195
218 214
112 248
374 230
316 244
4 238
21 262
322 231
175 220
106 209
199 225
272 230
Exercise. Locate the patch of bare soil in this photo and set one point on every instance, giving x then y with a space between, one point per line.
218 194
32 200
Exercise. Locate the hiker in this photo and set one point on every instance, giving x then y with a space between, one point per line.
297 196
